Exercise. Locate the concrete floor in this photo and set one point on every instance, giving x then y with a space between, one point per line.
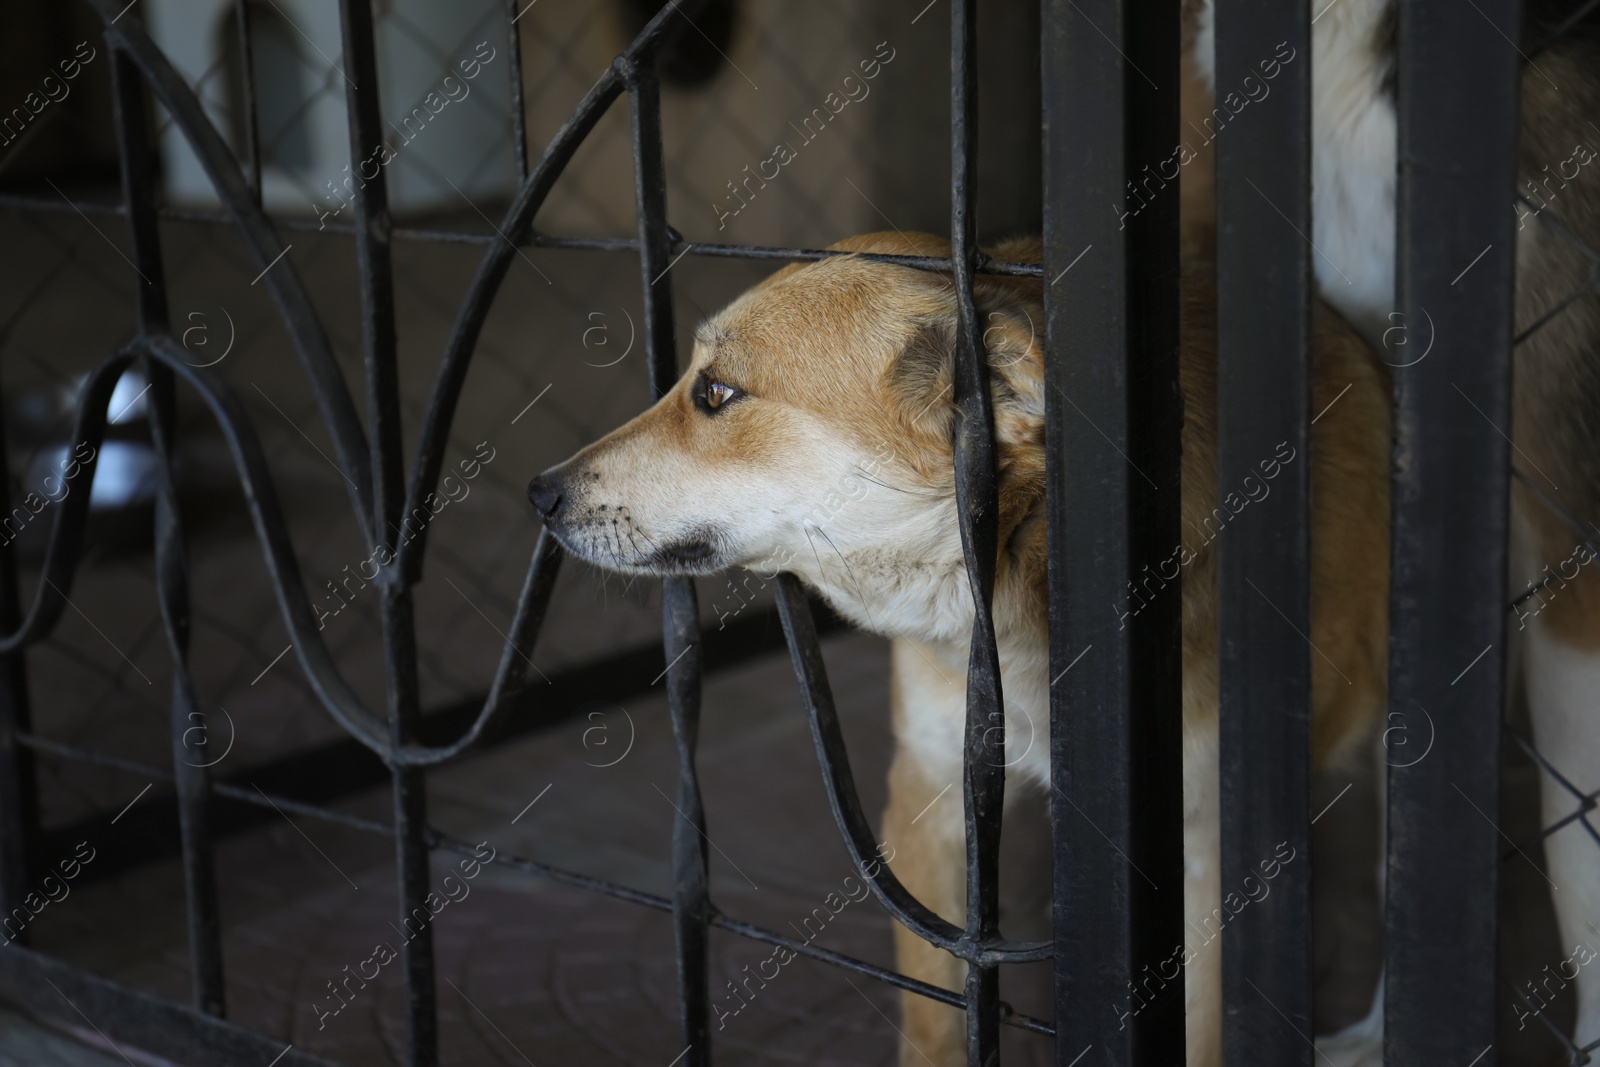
562 975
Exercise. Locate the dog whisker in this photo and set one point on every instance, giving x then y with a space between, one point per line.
865 606
842 560
896 488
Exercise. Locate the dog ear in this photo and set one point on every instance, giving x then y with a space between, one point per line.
1013 339
922 379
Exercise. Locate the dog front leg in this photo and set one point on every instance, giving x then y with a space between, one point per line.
1202 896
1562 680
923 825
1560 627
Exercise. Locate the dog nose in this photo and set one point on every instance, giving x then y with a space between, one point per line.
544 493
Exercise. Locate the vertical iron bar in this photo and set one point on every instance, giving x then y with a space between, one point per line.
984 776
519 118
1263 193
691 897
374 261
1113 416
379 355
188 723
192 751
247 95
1458 129
138 174
19 792
411 828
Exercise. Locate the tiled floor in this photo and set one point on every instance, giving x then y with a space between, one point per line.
532 971
562 975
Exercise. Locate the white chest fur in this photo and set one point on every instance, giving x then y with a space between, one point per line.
1353 131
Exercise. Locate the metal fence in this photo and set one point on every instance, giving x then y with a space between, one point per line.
1111 343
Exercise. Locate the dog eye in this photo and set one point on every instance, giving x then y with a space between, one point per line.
711 395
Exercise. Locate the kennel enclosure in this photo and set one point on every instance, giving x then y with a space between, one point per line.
1110 105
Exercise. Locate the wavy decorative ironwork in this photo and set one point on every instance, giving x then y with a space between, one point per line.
381 492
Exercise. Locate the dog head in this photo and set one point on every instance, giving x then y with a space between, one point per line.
812 433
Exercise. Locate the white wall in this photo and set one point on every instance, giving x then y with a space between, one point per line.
419 44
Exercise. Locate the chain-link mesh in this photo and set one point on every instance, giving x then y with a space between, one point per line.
1559 278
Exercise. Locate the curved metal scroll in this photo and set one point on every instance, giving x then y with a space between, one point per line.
336 404
452 373
845 800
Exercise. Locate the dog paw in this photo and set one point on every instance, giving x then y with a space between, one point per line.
1342 1050
1357 1045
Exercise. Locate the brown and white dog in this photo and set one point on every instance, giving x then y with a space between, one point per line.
812 432
1556 420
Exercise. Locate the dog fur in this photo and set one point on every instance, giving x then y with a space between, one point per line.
832 459
1556 419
